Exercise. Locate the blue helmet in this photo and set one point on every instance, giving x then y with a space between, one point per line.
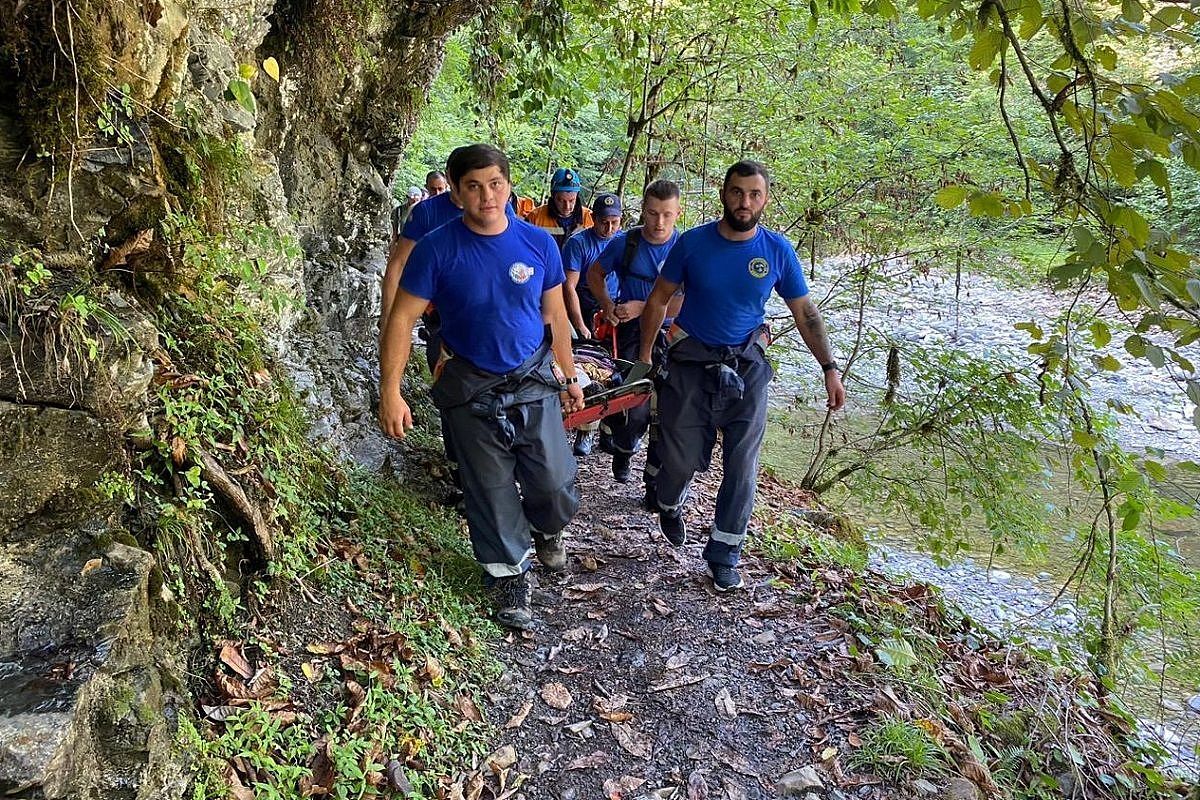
565 180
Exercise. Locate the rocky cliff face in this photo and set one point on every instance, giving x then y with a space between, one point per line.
108 109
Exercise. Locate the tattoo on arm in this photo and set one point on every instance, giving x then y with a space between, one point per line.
812 330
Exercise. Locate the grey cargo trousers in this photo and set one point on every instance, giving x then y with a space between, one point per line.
706 390
516 468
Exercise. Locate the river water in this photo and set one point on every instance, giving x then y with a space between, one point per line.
1013 594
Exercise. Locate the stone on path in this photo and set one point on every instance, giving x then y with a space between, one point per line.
798 782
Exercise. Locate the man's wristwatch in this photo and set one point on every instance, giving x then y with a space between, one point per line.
569 381
829 366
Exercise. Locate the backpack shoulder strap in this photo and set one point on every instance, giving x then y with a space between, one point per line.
633 238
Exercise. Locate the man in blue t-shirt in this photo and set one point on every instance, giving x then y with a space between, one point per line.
716 368
578 254
501 381
635 257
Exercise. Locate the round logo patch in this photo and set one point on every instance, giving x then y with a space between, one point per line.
520 273
759 268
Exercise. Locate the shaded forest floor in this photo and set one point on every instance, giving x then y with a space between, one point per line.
376 675
819 680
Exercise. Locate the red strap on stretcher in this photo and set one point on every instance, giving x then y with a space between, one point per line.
603 409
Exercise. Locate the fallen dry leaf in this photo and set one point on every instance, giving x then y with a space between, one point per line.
624 786
232 688
220 713
679 660
685 680
355 697
518 719
433 668
466 706
91 564
557 696
630 740
724 703
502 758
231 656
312 672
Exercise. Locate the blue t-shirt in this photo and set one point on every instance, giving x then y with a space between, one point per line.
487 289
431 214
639 279
726 284
580 252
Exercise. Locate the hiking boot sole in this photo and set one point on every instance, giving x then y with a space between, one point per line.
516 619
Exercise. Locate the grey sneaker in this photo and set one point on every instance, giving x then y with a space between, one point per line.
550 551
511 596
725 578
673 527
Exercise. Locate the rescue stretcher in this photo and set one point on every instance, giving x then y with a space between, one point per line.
611 401
605 389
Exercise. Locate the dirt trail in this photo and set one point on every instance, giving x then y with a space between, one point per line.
641 681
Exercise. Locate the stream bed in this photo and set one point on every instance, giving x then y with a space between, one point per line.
1015 596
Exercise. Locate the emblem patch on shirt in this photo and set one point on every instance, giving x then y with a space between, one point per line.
520 273
759 267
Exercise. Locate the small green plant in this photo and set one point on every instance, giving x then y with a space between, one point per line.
115 114
35 274
118 487
894 750
788 542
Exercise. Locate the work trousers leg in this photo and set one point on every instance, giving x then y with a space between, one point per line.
623 432
687 432
433 351
742 424
499 516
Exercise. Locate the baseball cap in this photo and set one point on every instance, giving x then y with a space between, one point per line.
607 205
565 180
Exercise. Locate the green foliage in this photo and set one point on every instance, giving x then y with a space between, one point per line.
59 317
422 581
896 750
790 542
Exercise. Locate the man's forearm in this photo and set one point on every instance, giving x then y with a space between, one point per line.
397 257
395 351
812 331
653 314
560 343
596 282
574 312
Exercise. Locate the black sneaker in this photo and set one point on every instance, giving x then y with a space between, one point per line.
583 444
621 470
550 551
725 578
672 527
650 499
511 596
